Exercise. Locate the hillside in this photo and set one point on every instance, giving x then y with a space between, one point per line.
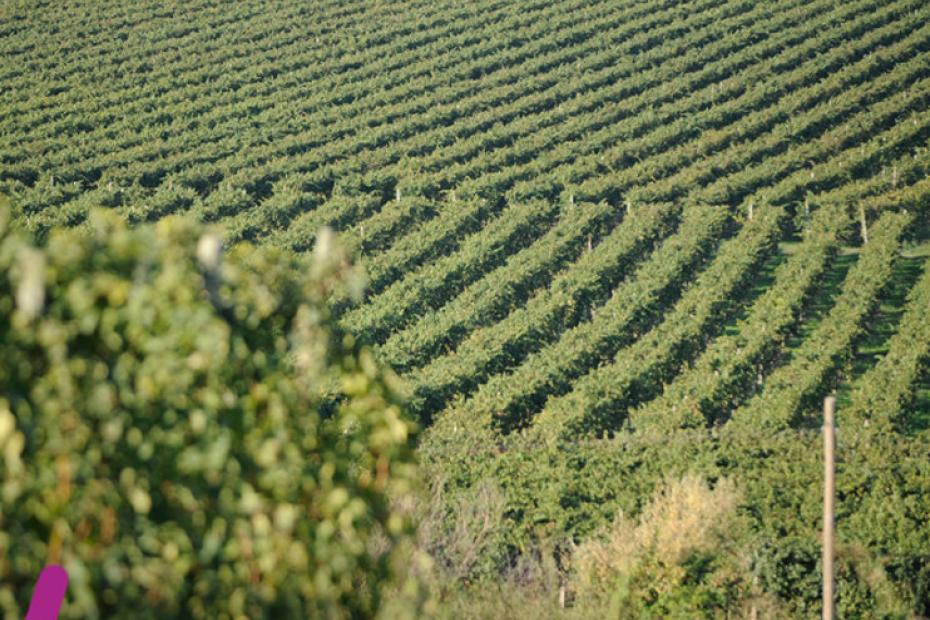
606 242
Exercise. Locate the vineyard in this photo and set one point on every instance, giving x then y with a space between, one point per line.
604 242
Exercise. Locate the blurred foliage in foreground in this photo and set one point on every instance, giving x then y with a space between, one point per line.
161 433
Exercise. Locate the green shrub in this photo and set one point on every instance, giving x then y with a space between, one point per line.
161 434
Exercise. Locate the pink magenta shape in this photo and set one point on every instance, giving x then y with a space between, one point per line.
49 593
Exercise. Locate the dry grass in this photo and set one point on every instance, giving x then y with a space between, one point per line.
681 553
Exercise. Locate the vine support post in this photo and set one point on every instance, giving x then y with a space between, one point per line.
863 224
829 445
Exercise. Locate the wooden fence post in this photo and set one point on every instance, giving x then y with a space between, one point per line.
863 224
829 444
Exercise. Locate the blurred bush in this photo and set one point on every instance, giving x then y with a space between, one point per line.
161 433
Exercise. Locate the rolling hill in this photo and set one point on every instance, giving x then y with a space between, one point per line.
606 242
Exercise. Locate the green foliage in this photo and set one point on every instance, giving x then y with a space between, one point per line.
568 300
727 366
161 436
502 291
882 395
498 190
566 498
795 388
599 400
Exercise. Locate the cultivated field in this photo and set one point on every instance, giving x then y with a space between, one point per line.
606 242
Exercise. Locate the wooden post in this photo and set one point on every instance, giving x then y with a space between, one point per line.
829 443
864 225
